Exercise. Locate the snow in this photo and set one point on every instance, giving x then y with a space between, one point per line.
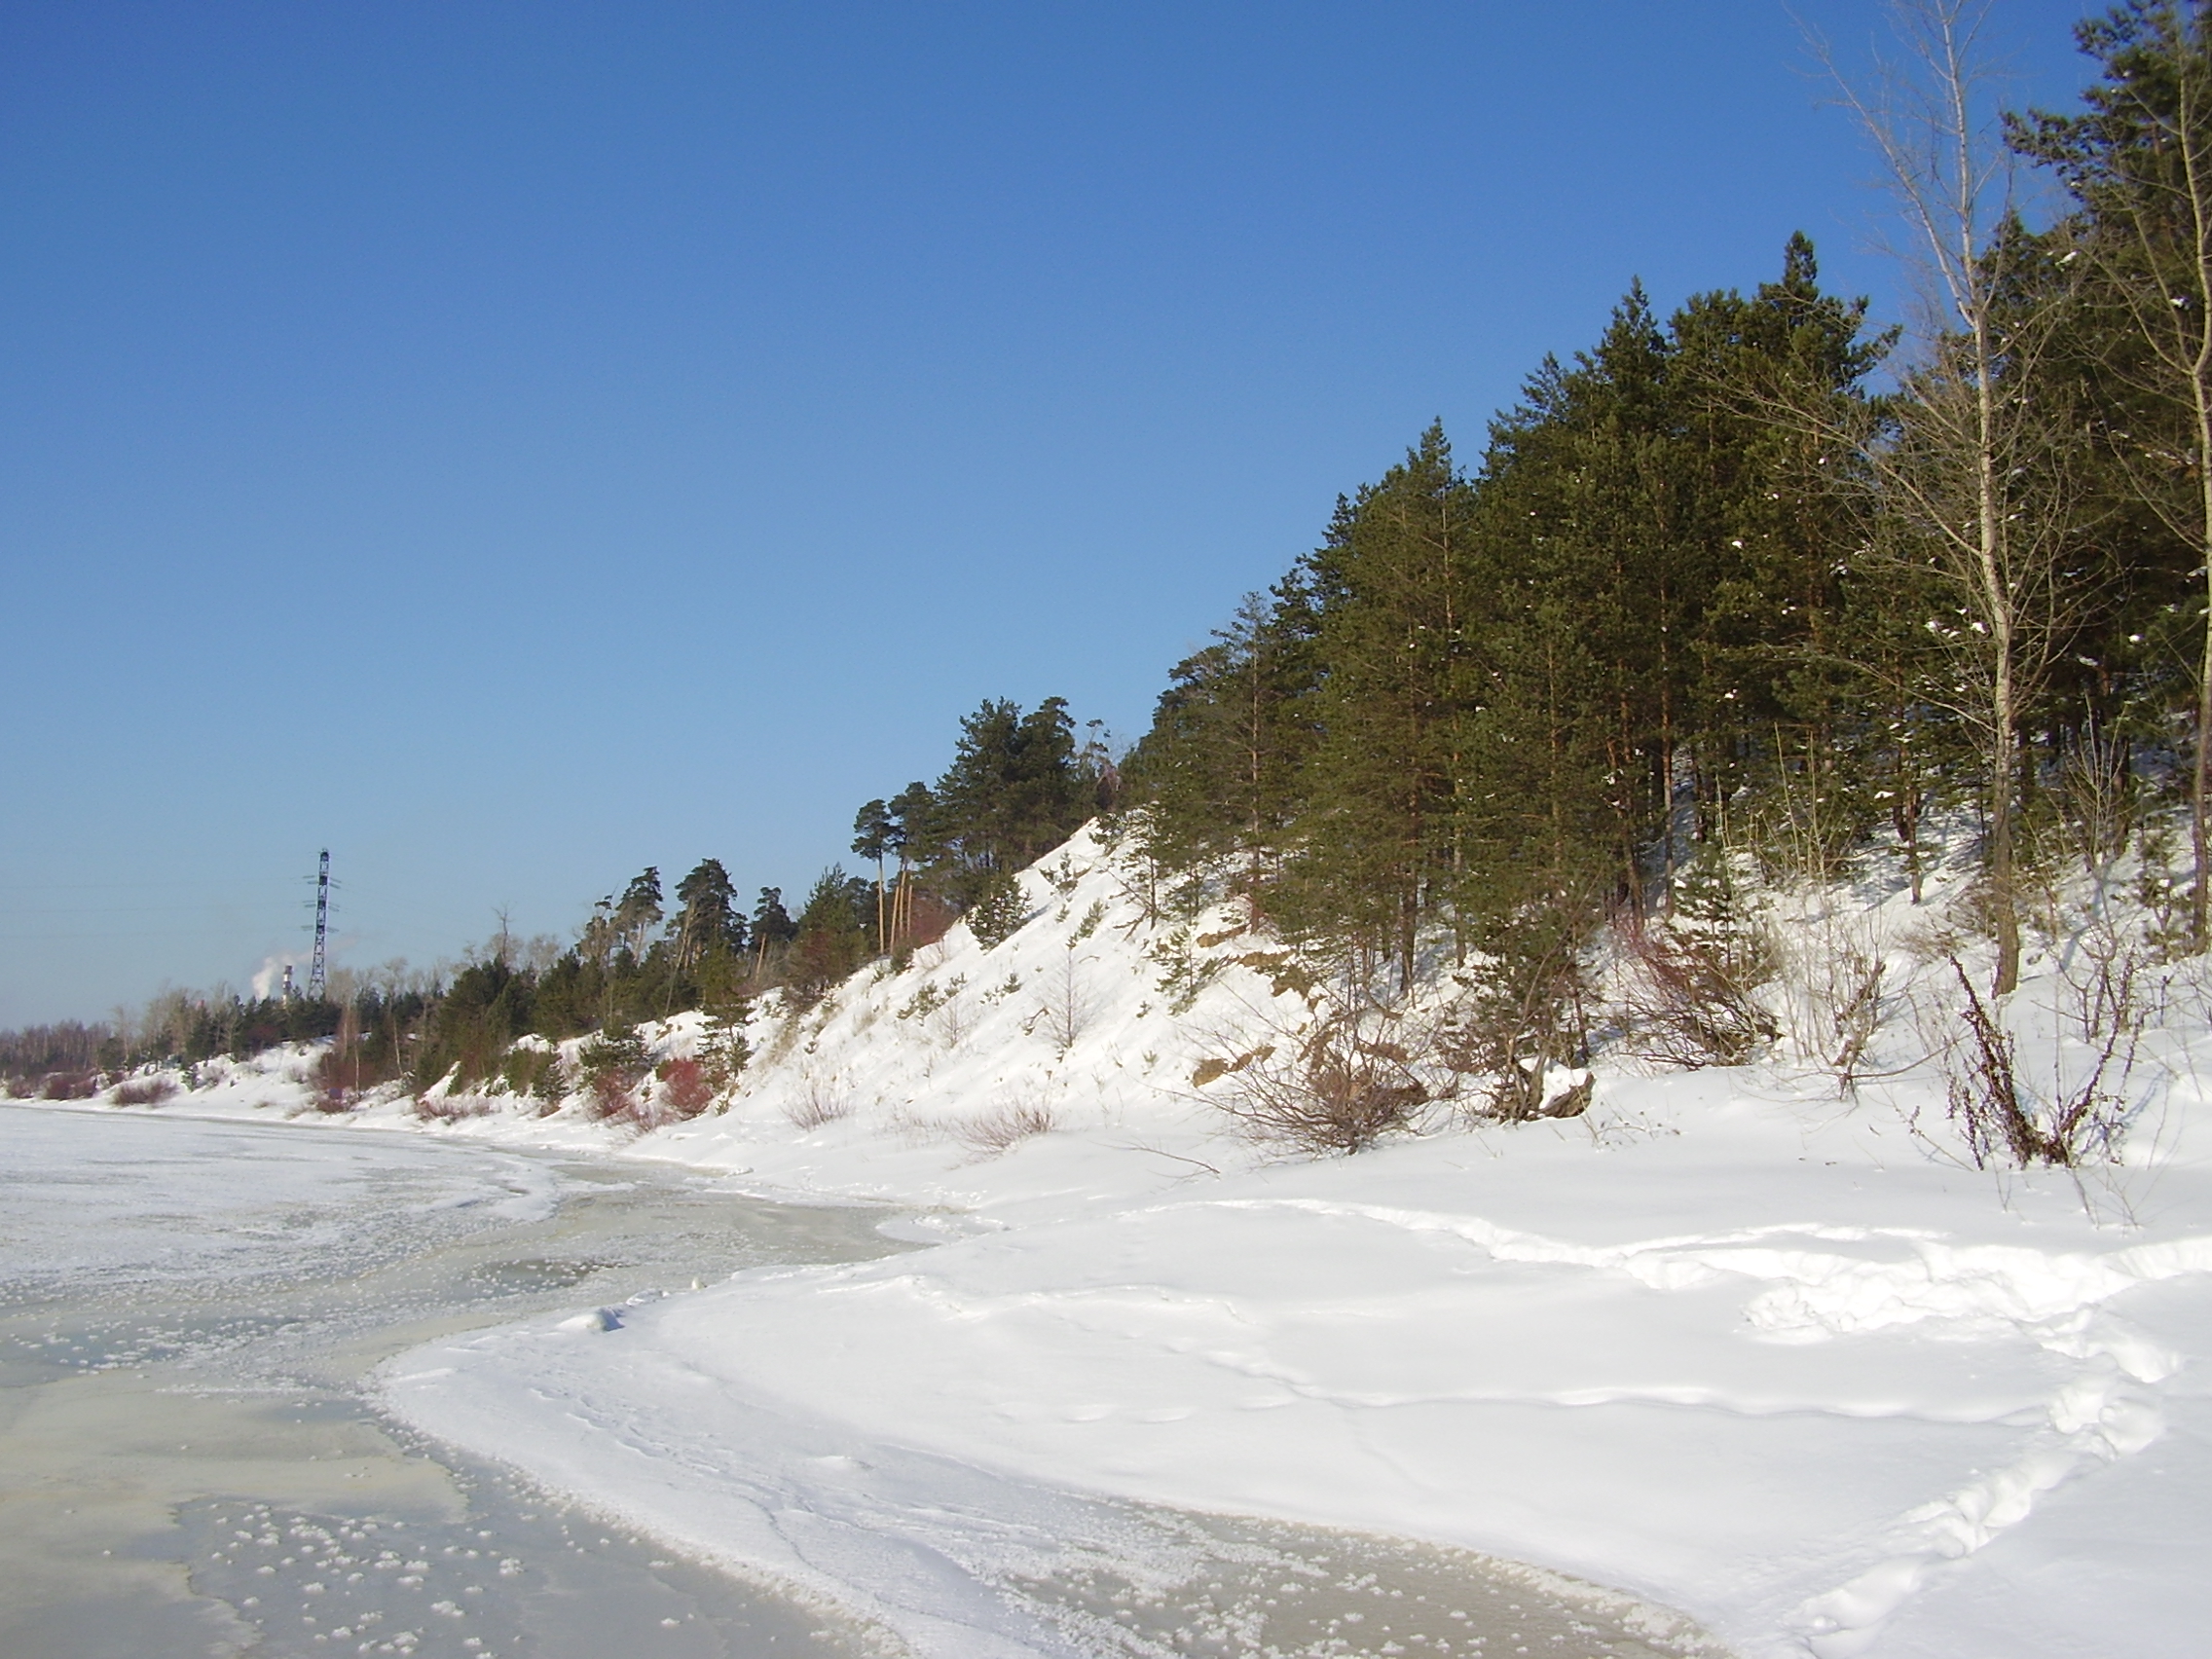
146 1205
1731 1343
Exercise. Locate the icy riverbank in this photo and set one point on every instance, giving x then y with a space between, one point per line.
1821 1394
1729 1342
189 1466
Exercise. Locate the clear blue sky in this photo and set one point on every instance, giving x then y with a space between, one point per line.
512 444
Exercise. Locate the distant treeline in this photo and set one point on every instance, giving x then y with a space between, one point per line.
1018 785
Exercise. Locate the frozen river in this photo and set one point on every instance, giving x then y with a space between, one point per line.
188 1464
191 1462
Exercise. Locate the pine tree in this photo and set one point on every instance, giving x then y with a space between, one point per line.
639 913
830 938
708 921
909 812
1219 770
2139 162
874 836
1014 790
773 930
1769 383
1383 784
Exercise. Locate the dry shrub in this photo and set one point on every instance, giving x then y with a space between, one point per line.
2003 1118
928 919
1066 1012
70 1085
450 1108
2111 979
1689 1003
144 1092
1006 1123
22 1088
685 1086
1213 1070
334 1090
614 1093
1834 984
819 1106
953 1020
2097 801
1338 1087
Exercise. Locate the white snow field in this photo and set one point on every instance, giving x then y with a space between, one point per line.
1736 1342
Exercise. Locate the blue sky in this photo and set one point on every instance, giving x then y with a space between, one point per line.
513 444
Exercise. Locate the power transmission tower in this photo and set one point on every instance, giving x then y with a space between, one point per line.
319 970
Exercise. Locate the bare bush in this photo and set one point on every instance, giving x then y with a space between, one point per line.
672 1092
687 1089
70 1085
2003 1118
1690 986
2098 801
1834 984
613 1093
817 1106
954 1020
2112 982
1681 1008
450 1108
143 1091
1006 1123
1854 1010
1338 1086
1066 1012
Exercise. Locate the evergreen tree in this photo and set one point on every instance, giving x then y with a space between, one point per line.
908 812
773 930
707 921
874 836
1385 783
639 913
2138 160
487 1006
1014 790
830 937
1219 770
1769 383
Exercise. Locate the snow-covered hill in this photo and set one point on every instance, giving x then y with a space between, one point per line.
1735 1340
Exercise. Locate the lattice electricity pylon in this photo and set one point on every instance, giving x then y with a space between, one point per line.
318 969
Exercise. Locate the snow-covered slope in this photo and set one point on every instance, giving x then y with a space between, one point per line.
1735 1341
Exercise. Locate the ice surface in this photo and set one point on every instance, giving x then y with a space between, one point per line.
187 1466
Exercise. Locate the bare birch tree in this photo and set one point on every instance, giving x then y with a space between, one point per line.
1975 466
